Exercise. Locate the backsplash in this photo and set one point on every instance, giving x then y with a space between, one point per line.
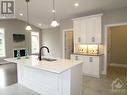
87 49
93 49
82 49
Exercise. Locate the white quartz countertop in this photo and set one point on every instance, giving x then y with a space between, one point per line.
58 66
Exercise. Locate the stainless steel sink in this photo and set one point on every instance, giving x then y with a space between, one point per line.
49 59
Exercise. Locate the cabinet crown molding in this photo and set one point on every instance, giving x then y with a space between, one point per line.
85 17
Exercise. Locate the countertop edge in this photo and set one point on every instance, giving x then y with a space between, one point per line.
88 54
52 71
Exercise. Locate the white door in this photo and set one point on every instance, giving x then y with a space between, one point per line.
68 44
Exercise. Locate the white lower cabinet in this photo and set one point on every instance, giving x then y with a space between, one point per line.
44 82
91 65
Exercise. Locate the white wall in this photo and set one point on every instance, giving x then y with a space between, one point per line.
52 39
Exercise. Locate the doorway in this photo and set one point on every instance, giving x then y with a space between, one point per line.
67 43
116 46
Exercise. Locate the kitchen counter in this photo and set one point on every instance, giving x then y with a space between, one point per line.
58 66
88 54
60 77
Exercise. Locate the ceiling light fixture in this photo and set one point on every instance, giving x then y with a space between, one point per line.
54 23
28 27
21 14
53 11
40 24
76 4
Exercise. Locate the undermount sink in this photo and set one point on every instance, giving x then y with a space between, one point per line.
49 59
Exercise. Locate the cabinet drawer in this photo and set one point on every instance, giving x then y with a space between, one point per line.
92 59
77 57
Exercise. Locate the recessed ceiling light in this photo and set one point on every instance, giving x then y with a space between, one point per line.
53 11
21 14
76 4
40 24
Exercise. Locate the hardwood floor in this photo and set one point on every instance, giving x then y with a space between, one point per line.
17 89
91 86
8 74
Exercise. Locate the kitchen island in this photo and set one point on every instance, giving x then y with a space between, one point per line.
48 77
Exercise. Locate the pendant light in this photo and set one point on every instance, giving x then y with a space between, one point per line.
28 27
54 23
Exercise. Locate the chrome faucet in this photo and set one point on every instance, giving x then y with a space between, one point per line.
39 56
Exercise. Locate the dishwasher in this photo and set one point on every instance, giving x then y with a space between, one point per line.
8 74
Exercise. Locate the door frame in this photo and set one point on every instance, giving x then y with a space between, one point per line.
64 31
106 44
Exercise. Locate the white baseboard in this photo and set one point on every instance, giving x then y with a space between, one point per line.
118 65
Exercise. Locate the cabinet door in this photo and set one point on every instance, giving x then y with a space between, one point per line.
83 32
76 57
94 30
80 58
72 56
77 31
93 65
97 29
90 66
85 67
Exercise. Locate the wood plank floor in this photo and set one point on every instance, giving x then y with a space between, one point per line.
91 86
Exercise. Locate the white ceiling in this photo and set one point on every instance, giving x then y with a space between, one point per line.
40 10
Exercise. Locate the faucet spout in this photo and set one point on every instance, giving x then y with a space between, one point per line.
40 51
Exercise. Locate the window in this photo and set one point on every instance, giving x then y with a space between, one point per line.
35 42
2 43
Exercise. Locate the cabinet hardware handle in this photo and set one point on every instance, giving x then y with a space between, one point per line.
79 39
93 39
76 57
90 59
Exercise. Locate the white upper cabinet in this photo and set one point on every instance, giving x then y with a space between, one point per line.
87 30
94 30
83 31
79 31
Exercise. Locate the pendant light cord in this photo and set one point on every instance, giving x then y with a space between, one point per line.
54 23
27 12
54 13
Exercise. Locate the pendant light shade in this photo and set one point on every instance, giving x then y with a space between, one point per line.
54 23
28 27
